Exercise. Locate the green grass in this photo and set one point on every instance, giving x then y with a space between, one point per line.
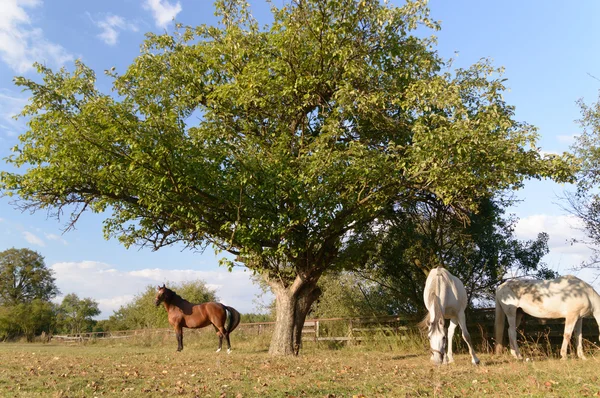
149 366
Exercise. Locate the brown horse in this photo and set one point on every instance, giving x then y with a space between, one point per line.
183 314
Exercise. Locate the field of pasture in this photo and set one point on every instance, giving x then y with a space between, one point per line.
149 366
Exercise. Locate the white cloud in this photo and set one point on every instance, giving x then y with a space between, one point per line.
10 105
33 239
562 229
56 238
163 11
21 43
111 26
546 153
112 288
566 139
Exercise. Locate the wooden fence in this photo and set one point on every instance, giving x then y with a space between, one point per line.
480 323
314 329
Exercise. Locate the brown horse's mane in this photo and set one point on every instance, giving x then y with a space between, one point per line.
171 297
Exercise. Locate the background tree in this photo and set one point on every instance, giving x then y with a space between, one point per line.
76 315
33 318
273 143
26 288
143 313
24 277
347 295
585 202
480 250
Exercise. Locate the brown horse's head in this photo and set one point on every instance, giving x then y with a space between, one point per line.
163 294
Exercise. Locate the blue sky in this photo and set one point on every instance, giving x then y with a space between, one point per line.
547 48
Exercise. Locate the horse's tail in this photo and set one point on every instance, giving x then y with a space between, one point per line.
233 319
499 326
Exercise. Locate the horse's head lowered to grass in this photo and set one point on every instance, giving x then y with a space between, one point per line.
445 298
436 333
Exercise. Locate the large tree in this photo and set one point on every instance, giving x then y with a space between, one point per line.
76 315
273 143
24 278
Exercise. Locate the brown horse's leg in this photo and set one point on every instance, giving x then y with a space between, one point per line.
179 335
220 338
223 333
228 343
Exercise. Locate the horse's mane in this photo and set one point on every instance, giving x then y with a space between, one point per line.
173 296
433 299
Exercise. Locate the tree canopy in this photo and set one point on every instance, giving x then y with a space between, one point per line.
26 288
273 143
480 251
76 315
24 278
585 202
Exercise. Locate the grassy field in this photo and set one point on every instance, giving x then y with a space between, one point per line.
151 367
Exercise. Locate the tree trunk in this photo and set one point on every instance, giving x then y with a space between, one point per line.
292 305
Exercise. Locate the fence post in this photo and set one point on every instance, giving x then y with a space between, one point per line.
350 333
316 331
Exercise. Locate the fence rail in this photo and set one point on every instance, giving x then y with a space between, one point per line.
480 323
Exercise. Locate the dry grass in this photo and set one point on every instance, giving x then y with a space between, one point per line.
383 367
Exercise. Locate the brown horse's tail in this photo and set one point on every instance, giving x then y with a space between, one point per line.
233 319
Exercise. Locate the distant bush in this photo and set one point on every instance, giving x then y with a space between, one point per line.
254 318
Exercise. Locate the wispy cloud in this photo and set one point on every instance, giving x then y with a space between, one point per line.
566 235
10 105
21 43
112 288
111 26
56 238
163 11
547 153
33 239
567 139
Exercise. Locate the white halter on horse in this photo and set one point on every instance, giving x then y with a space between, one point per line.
445 298
564 297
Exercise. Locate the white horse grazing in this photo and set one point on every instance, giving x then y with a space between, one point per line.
564 297
445 298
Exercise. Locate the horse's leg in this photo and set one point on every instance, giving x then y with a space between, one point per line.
179 335
223 333
449 358
220 338
518 318
569 326
579 336
228 343
511 316
467 337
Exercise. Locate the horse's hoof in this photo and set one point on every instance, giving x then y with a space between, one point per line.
475 362
229 351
